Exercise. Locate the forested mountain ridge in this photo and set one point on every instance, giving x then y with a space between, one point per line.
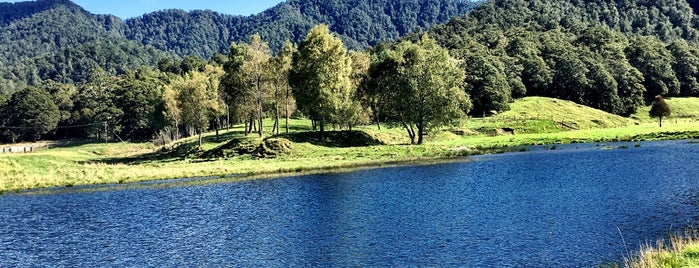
59 40
359 23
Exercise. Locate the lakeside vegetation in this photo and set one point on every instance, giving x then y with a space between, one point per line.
241 157
676 252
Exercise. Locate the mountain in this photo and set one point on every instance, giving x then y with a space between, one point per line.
56 39
360 23
59 40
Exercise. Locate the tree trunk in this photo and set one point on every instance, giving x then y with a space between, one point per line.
322 129
420 134
276 119
260 114
661 120
409 129
200 140
287 116
217 125
228 117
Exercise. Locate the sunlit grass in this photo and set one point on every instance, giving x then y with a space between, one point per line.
678 252
74 164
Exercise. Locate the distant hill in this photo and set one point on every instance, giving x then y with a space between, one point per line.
360 23
59 40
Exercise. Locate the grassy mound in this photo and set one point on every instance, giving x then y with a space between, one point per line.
267 148
338 139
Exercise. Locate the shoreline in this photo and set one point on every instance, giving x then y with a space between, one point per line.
296 168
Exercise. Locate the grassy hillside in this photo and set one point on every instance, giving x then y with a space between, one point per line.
546 115
683 109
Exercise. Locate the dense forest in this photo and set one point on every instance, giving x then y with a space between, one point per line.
60 41
612 55
615 55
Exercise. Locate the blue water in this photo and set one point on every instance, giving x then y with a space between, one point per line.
577 206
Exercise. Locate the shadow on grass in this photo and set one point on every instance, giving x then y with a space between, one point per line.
177 153
338 139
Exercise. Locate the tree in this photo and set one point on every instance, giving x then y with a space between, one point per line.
650 56
31 113
660 109
428 88
248 75
486 83
287 55
279 67
197 99
320 77
374 92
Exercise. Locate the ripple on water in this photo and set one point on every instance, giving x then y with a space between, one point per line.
571 207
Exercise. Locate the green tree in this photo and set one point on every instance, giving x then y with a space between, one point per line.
248 76
30 113
197 99
140 98
660 109
428 87
375 92
279 68
95 106
686 66
320 77
650 56
486 83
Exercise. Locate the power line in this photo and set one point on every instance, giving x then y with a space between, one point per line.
59 127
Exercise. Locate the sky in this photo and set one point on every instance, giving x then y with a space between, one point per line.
133 8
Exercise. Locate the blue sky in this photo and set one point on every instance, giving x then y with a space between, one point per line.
133 8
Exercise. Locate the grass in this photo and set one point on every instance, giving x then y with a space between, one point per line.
75 164
683 109
680 251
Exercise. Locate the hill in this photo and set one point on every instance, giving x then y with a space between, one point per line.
59 40
611 55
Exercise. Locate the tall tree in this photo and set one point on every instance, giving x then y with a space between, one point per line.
279 68
198 100
486 83
650 56
30 113
320 77
248 75
428 87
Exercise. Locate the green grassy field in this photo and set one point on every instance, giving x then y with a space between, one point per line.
555 121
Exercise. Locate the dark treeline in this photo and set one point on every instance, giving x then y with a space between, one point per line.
612 55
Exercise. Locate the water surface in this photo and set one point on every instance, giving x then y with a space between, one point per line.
577 206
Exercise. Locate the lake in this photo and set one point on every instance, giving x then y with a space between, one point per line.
576 206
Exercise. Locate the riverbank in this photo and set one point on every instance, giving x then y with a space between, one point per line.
77 164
